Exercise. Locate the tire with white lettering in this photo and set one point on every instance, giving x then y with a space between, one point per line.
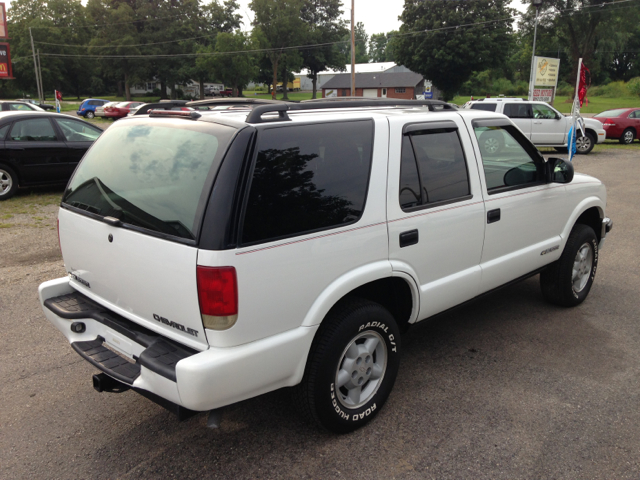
352 366
567 282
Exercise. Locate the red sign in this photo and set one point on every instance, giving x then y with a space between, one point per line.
5 61
543 95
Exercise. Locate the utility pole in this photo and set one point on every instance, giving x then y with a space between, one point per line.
35 64
353 51
532 77
40 77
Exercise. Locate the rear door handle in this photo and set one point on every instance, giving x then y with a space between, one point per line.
493 215
409 238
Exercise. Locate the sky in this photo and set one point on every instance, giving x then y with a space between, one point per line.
378 16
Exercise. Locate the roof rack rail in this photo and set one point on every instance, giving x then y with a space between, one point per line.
160 105
352 102
173 113
233 101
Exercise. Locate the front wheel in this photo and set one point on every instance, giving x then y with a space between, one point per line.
352 366
568 281
8 183
628 136
89 115
584 144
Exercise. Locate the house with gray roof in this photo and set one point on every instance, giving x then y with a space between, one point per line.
404 85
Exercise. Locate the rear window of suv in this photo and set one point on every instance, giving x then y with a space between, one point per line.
489 107
151 175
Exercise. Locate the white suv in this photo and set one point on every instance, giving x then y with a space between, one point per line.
216 256
541 123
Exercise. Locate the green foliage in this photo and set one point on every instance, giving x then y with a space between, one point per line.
634 86
382 45
449 57
610 90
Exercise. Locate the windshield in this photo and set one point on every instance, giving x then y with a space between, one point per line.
150 174
611 113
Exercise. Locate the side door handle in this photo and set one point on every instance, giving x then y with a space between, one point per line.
493 215
409 238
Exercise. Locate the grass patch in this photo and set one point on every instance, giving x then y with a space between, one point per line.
28 202
6 225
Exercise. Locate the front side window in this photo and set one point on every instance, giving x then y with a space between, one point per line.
508 158
433 168
308 178
544 112
75 131
33 130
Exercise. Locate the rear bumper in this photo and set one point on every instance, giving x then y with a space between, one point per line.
148 362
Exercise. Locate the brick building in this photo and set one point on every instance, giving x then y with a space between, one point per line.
404 85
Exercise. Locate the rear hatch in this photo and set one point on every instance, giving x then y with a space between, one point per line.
131 215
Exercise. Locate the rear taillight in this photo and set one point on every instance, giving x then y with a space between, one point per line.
218 296
608 123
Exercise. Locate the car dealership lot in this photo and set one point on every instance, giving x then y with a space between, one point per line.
507 387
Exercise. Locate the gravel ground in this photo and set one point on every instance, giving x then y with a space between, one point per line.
506 388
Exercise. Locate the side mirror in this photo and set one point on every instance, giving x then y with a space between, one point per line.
560 171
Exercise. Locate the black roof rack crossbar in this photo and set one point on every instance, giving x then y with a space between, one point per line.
352 102
160 105
256 114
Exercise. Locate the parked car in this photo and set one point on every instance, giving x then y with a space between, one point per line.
39 148
8 105
120 110
100 110
227 92
540 122
231 253
44 106
87 108
622 124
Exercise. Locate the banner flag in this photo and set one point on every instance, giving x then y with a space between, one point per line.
583 82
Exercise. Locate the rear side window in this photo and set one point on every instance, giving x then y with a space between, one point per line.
151 175
518 110
77 131
33 130
489 107
3 131
433 168
308 178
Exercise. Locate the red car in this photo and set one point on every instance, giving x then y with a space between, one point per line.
120 110
621 123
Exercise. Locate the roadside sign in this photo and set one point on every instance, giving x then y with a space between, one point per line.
5 61
543 95
428 93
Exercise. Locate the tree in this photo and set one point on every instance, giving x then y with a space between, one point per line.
449 57
324 27
235 70
381 46
593 34
362 41
278 27
59 27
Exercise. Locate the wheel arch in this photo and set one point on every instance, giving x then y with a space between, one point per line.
589 212
377 283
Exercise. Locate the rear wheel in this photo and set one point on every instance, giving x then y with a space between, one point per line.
568 281
352 366
628 136
8 182
89 114
584 144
